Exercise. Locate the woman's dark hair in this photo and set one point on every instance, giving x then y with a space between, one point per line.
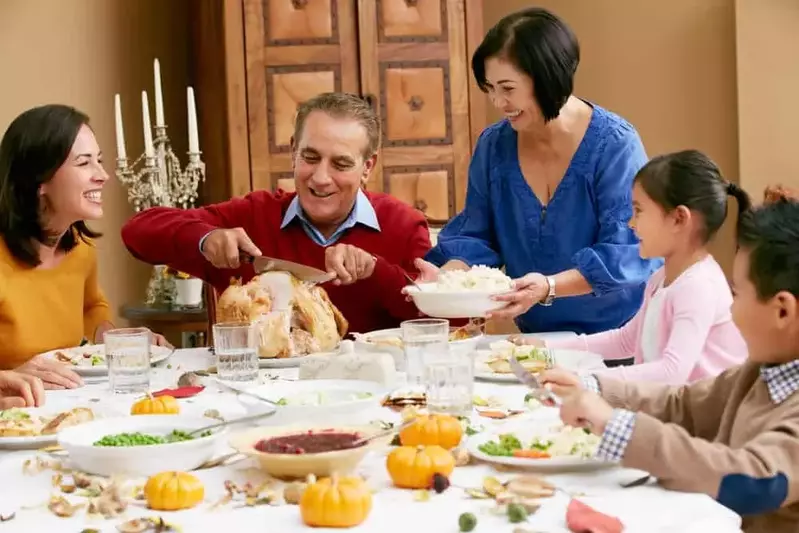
539 44
33 148
770 233
691 179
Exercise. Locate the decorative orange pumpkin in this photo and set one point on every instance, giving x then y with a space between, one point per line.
163 405
413 467
442 430
336 502
173 491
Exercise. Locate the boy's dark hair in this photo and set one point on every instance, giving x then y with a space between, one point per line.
539 44
692 179
33 148
770 233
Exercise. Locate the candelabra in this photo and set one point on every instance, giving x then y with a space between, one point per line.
157 178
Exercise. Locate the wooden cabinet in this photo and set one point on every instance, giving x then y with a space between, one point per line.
256 60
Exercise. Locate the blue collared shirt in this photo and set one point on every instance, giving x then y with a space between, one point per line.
362 213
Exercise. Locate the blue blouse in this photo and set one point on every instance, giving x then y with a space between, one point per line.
584 226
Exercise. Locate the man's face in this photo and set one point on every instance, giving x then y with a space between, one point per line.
329 168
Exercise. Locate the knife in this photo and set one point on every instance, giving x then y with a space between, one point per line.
541 393
302 272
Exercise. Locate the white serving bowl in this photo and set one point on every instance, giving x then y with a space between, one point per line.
336 392
364 343
79 441
453 304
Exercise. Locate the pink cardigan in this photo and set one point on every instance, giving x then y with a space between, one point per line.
697 340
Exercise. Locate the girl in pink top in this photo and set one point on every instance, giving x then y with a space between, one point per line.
683 331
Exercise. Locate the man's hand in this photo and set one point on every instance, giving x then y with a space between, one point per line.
54 374
20 390
348 263
223 247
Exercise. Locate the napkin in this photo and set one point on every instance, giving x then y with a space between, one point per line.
581 518
181 392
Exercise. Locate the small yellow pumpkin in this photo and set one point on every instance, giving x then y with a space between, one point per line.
442 430
335 502
173 491
413 467
162 405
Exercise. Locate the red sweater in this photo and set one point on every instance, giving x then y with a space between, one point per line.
170 236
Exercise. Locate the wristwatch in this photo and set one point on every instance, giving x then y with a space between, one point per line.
551 294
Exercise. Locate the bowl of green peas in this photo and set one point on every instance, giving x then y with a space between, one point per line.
140 445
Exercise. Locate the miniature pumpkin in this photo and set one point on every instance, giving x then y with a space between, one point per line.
442 430
336 502
413 467
162 405
173 491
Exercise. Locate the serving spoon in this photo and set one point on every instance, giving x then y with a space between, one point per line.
226 423
383 433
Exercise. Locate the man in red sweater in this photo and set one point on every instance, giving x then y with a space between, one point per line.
369 240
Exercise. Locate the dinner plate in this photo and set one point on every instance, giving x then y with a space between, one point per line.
577 361
526 433
38 441
157 354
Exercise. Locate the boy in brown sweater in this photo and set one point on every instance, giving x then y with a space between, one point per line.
734 437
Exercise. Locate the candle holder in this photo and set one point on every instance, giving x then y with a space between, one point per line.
160 180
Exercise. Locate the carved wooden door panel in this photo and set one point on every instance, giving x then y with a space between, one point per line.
413 61
295 49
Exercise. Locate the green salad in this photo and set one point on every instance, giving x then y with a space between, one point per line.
143 439
567 442
526 352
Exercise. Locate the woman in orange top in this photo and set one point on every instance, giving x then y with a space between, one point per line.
51 182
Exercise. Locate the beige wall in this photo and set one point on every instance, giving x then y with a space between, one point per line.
667 67
81 52
768 92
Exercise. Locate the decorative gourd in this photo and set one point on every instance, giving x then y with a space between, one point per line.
336 502
442 430
413 467
173 491
162 405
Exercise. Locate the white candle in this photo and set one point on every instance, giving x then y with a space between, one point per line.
148 134
194 139
159 97
121 154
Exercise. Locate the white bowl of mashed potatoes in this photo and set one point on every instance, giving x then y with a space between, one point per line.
461 293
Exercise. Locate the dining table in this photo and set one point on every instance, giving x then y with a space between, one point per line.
645 508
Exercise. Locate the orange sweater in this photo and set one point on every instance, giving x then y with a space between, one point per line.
46 309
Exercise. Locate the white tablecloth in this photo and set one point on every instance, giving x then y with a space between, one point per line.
646 509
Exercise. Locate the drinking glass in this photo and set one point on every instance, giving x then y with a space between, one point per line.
127 352
449 382
420 337
236 349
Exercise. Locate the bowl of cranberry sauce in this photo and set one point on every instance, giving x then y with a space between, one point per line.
326 440
294 452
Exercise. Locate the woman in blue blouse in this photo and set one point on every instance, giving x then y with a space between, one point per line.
549 194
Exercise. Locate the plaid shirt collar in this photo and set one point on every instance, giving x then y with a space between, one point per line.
782 380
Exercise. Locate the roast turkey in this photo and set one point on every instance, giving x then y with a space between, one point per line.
294 318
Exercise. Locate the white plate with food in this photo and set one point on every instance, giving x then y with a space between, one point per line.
89 359
538 445
494 365
27 429
140 445
461 293
314 399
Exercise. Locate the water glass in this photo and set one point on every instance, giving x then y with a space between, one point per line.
127 352
449 382
236 349
420 337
